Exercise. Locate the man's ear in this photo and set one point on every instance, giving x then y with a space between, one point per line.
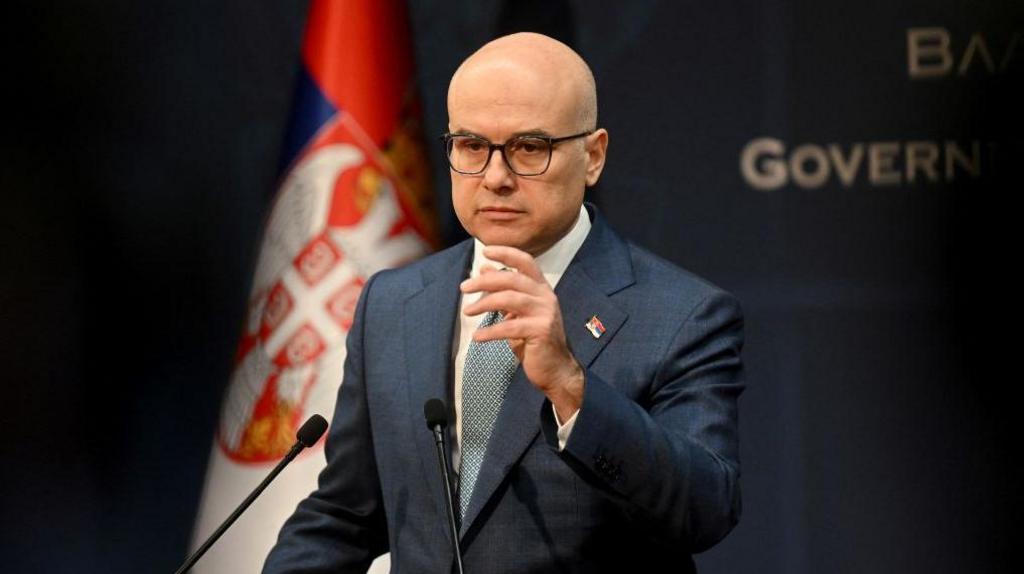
597 149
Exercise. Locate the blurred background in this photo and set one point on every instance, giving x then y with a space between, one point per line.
848 170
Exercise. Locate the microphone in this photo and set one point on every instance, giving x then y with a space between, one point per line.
308 434
436 415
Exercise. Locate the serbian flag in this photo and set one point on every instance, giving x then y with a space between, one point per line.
354 198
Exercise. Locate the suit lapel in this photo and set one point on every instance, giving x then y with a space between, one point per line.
428 327
580 297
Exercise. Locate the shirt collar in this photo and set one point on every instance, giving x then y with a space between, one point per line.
552 262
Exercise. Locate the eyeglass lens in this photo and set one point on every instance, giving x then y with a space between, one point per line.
525 155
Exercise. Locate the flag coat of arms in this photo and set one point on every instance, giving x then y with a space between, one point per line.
353 199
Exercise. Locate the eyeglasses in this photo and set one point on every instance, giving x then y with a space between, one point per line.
524 155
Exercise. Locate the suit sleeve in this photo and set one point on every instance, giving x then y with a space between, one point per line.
673 462
340 527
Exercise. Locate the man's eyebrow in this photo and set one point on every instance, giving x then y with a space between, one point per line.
459 132
534 132
526 133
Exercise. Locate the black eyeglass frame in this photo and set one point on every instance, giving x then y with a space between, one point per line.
447 137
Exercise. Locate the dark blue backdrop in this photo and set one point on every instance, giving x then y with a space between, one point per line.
847 169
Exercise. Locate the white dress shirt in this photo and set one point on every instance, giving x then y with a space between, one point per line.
552 264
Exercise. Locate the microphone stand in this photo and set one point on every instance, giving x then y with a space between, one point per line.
449 504
310 432
436 415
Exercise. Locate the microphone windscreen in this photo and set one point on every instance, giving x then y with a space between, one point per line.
311 430
436 414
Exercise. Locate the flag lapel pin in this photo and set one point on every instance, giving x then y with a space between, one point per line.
595 327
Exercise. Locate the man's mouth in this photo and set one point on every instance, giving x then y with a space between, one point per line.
500 213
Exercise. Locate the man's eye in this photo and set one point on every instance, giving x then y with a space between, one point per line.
529 147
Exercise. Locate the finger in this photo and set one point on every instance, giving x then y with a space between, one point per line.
510 303
516 259
494 281
518 330
518 347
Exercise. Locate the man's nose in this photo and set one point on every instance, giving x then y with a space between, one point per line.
497 175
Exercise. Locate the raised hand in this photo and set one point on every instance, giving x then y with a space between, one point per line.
532 325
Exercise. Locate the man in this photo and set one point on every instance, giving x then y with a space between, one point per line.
594 385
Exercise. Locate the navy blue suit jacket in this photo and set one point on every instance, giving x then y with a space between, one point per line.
649 474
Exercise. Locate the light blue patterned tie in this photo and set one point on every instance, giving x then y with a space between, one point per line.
485 378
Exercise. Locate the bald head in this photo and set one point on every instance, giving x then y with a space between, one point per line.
544 62
520 90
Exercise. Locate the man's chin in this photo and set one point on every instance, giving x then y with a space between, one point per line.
504 236
534 246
